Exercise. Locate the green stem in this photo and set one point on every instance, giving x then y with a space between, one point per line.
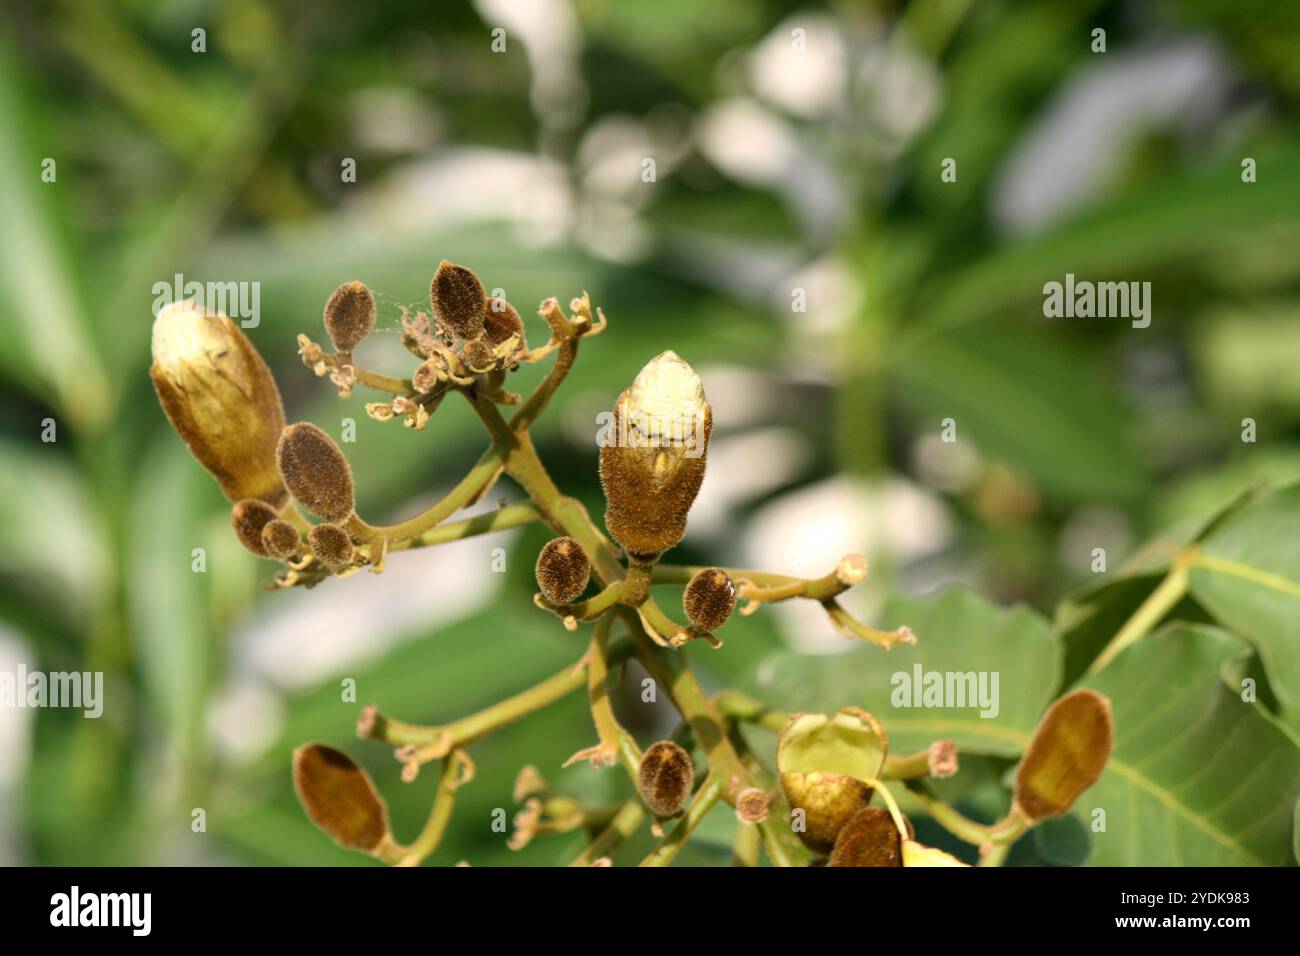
749 840
1158 603
620 829
439 817
511 516
466 491
704 800
740 706
376 726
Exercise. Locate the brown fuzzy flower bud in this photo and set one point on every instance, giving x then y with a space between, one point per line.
332 545
652 466
220 397
248 518
1067 755
339 798
280 539
315 472
500 321
349 315
563 570
667 776
709 599
825 763
458 299
478 356
869 838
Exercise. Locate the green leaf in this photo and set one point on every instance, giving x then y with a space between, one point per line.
1247 574
1069 432
1197 777
957 632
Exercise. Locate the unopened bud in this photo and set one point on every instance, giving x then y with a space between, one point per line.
220 397
315 472
349 315
478 356
563 570
751 805
500 321
869 838
666 778
248 518
709 599
825 763
281 539
651 480
332 545
1066 756
339 798
458 299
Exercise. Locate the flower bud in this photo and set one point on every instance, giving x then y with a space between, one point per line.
332 545
869 838
478 356
500 321
339 798
751 805
1066 756
666 778
709 599
280 539
248 518
349 315
825 763
458 300
563 571
315 472
220 397
653 469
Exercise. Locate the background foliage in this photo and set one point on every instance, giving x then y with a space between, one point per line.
773 173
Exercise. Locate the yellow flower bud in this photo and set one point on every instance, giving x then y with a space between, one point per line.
1067 755
339 798
221 399
917 854
652 470
825 763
